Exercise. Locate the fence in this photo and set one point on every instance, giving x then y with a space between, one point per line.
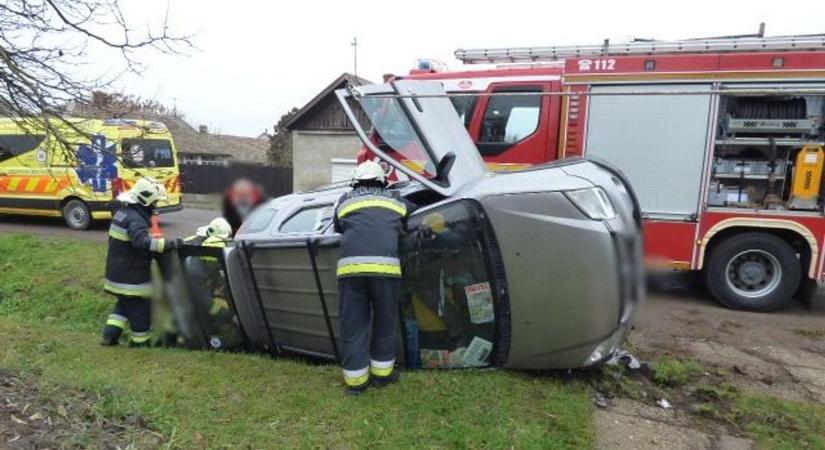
205 179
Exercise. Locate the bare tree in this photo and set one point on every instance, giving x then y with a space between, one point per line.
43 43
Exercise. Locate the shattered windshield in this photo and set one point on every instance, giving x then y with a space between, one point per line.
395 131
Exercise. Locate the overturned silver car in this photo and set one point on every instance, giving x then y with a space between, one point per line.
538 269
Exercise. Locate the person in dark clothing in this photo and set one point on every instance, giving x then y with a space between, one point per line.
370 220
240 200
129 260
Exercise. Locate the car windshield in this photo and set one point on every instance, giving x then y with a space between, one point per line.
397 133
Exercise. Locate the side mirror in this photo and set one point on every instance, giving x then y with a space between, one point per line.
443 169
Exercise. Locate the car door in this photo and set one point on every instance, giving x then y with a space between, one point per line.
417 122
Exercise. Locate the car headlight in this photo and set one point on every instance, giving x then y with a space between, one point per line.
593 202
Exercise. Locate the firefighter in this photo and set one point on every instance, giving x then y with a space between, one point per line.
370 220
129 260
207 287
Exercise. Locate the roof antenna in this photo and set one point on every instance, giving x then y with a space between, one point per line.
761 29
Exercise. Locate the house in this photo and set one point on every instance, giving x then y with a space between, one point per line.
204 148
324 143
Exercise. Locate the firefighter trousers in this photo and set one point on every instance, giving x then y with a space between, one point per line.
368 346
134 312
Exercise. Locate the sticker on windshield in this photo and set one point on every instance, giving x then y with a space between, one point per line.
480 302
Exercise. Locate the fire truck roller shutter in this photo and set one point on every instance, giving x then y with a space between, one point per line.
659 141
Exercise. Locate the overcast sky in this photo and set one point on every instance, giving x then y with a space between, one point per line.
256 59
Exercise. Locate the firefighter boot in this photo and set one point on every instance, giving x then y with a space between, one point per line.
354 391
380 382
111 336
115 325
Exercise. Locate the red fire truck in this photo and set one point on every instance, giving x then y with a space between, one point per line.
722 139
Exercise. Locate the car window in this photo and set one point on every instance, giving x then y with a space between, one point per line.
450 297
509 119
143 153
392 130
12 145
307 220
258 221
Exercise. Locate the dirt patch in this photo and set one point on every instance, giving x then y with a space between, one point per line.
37 416
779 355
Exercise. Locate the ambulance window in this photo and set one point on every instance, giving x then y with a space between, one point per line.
308 220
12 145
464 106
147 153
508 120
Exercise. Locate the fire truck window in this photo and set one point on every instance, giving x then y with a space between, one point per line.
12 145
147 153
464 106
449 297
508 120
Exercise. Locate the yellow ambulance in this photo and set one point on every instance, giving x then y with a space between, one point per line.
78 174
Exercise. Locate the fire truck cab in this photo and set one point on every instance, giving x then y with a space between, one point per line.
721 138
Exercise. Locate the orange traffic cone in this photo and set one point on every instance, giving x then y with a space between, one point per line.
157 233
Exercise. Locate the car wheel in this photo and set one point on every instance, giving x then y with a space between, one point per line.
754 272
77 215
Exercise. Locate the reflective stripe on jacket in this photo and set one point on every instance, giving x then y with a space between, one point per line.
369 219
129 259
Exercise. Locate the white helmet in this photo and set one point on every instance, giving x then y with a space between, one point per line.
369 170
145 192
220 228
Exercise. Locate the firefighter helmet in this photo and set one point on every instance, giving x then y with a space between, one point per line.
369 170
145 192
219 228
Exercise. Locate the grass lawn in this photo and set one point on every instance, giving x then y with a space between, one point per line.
51 309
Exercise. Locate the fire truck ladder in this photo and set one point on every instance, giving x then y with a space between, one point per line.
642 47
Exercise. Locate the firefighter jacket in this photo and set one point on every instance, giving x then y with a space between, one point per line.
131 245
370 220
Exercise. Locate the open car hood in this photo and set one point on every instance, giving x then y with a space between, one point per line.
415 128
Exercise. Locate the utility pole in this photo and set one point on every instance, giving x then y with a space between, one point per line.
354 45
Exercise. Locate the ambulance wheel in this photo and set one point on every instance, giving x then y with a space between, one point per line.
753 272
77 214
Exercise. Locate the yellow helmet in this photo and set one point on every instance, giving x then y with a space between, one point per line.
435 222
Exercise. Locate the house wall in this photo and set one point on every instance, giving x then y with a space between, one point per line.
312 152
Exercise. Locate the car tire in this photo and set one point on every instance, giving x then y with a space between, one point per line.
77 215
753 272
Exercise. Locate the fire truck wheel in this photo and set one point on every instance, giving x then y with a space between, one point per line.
754 272
77 215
